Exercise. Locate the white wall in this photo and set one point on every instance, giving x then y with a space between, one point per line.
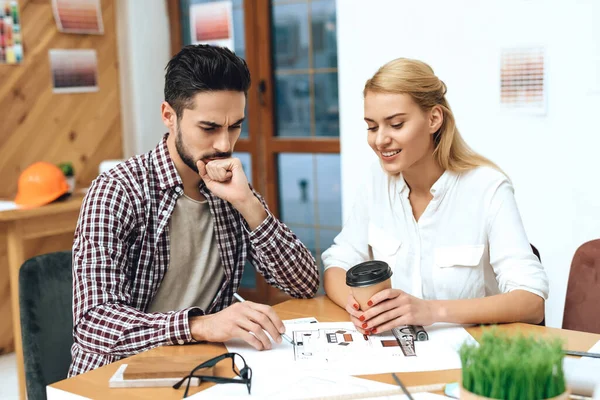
144 50
551 159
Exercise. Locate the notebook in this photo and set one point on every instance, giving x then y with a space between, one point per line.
157 371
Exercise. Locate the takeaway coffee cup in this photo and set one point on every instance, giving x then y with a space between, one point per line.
368 278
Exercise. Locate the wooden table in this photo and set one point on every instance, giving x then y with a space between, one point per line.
19 229
94 384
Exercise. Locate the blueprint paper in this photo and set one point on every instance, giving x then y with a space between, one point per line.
338 348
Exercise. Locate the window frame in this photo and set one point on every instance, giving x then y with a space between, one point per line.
262 143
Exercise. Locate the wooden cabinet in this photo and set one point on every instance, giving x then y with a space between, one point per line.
25 234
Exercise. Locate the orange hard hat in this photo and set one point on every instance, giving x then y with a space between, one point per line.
40 183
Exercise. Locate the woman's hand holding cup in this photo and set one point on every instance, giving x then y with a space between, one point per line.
375 307
365 280
391 308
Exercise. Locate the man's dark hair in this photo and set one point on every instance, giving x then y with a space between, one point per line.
203 68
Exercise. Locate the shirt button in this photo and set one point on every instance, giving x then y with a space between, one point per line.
178 189
180 341
165 213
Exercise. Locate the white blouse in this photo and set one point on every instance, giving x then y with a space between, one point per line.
469 242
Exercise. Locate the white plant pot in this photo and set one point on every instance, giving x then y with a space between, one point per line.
466 395
71 183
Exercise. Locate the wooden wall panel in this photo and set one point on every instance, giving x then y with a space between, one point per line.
36 124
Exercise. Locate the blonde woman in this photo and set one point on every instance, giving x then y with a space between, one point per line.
442 216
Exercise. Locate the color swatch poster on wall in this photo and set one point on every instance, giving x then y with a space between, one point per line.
11 42
523 86
212 23
74 71
78 16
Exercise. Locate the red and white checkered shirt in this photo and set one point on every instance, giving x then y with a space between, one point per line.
121 254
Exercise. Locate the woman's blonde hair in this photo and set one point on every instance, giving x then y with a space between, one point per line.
415 78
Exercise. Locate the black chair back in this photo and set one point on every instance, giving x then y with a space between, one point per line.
45 297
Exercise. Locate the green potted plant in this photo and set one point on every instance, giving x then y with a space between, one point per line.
69 172
512 367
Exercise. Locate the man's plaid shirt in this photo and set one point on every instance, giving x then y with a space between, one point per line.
121 254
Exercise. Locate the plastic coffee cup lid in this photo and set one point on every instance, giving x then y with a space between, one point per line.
368 273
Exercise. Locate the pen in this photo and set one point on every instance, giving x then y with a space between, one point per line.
581 353
399 382
286 337
384 393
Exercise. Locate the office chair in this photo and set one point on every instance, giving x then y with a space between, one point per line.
45 298
583 290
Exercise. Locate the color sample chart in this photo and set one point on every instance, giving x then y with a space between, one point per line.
212 23
74 71
11 42
78 16
522 79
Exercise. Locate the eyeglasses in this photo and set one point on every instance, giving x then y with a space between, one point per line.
244 374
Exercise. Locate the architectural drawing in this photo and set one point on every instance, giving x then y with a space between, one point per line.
338 347
333 345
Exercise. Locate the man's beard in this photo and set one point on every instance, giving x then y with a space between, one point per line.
183 154
187 157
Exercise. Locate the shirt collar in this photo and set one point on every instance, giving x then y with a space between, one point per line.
164 166
401 185
443 184
439 188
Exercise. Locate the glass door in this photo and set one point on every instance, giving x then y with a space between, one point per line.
303 149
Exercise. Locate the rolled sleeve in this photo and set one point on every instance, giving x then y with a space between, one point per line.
511 257
264 233
542 294
178 327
